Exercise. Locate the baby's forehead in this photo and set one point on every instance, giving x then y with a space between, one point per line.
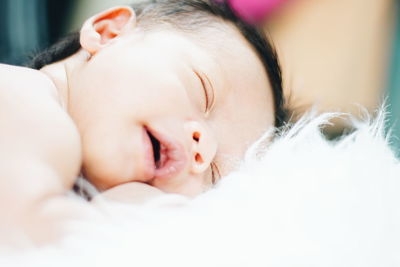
222 41
222 52
213 33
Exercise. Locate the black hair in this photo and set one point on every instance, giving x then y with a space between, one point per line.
187 15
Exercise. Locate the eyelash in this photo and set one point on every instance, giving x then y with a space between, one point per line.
209 98
213 177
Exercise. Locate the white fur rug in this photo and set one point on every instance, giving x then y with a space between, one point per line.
304 201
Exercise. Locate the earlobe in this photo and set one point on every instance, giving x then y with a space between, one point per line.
102 28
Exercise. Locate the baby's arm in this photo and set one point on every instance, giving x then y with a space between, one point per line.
39 156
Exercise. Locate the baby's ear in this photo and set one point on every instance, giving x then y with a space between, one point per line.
104 27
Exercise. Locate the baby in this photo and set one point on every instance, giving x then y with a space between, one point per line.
166 93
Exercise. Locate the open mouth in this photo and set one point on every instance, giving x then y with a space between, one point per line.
168 155
156 149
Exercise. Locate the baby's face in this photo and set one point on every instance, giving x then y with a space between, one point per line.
163 109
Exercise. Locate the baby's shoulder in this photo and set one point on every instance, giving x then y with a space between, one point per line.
24 81
34 123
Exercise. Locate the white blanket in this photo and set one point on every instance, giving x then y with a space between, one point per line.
302 201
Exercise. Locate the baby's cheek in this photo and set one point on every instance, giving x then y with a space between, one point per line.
111 157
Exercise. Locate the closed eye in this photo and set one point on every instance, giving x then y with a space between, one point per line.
208 91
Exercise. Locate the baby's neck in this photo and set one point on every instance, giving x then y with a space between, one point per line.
59 71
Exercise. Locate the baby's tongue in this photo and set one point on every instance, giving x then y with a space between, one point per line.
163 157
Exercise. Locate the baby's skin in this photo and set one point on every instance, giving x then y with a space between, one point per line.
137 112
40 154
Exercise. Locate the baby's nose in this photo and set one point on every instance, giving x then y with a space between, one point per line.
203 146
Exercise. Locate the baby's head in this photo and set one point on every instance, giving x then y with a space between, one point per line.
172 94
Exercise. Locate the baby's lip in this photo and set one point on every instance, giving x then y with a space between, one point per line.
148 162
172 156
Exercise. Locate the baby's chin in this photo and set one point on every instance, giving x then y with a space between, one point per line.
130 193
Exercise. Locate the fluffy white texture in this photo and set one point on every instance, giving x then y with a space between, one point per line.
302 201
